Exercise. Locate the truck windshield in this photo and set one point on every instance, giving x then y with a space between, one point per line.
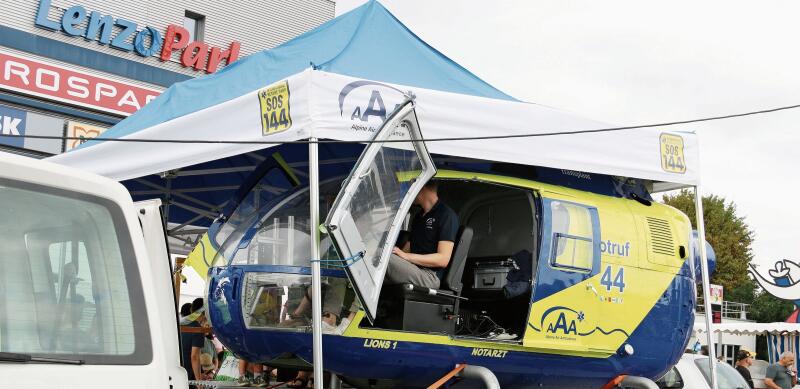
727 377
65 286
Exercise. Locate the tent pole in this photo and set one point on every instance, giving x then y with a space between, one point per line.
316 279
701 235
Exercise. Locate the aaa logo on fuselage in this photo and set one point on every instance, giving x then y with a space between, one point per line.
565 323
367 103
562 320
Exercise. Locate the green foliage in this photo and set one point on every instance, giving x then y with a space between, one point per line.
764 307
727 233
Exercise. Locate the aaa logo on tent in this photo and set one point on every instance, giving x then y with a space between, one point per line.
275 113
367 103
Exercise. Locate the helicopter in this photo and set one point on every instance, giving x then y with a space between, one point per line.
558 278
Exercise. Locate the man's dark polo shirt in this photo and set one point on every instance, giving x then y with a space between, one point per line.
440 223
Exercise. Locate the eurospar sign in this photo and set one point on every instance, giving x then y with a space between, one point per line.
37 78
125 35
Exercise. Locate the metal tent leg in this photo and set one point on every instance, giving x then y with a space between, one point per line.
316 277
701 234
335 383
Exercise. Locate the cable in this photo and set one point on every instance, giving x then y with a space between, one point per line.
450 139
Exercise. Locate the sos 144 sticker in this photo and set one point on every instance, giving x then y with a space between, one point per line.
275 112
672 158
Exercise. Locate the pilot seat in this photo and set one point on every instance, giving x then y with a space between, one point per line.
437 310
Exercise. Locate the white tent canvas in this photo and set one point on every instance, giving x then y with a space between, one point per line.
332 106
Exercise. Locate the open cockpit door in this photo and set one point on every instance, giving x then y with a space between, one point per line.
368 213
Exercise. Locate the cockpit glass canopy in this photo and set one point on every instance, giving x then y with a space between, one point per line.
275 230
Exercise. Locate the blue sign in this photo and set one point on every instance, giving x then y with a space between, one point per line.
77 21
12 122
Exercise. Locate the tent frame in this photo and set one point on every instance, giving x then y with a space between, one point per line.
701 234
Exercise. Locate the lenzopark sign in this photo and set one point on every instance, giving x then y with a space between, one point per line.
32 77
147 42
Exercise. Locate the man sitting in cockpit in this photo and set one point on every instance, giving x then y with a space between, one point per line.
424 257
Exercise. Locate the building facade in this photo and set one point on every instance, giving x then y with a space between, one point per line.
74 68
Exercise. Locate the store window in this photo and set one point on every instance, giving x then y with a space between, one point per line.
195 24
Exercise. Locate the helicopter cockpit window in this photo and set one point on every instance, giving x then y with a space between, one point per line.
279 232
573 246
262 196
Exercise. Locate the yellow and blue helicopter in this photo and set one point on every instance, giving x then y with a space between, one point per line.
557 279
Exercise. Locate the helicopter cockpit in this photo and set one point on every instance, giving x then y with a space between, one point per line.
269 234
267 240
486 288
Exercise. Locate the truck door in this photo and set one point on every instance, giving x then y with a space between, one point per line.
565 303
368 212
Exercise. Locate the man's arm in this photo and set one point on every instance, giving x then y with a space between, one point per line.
439 259
770 383
769 377
195 357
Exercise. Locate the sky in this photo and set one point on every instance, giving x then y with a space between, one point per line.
635 62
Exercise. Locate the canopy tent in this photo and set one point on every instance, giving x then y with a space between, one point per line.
338 82
781 336
776 328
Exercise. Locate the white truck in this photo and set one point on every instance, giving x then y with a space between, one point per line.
85 289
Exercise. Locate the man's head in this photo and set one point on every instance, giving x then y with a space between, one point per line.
744 358
186 309
197 307
787 359
429 194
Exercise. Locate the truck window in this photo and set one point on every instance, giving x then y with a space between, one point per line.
69 284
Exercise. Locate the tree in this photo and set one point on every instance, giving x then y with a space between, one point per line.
727 233
764 307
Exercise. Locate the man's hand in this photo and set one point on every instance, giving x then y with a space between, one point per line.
398 252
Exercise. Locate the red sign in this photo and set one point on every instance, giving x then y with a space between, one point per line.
32 77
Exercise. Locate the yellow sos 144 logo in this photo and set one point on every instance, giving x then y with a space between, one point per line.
275 113
672 158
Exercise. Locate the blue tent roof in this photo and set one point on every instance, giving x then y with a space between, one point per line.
367 42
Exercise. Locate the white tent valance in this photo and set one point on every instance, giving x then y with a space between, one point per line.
751 328
333 106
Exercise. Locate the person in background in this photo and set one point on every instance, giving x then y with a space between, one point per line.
192 343
186 310
781 375
251 374
220 350
743 360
